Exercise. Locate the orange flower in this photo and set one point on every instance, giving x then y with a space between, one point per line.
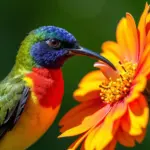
112 107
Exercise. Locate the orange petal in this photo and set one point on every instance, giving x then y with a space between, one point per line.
148 18
76 144
117 111
107 70
148 87
107 130
90 137
114 49
136 118
88 93
134 45
141 137
138 86
111 145
120 37
88 120
147 28
89 86
82 147
148 76
147 25
108 127
141 27
79 109
139 112
99 142
83 110
129 127
148 37
126 38
92 76
144 65
125 139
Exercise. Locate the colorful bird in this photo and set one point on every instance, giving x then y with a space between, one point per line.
30 96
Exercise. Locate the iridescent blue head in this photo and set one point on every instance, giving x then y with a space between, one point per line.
55 45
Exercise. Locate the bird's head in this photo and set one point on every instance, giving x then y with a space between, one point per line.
50 47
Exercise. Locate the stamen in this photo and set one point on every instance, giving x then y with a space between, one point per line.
122 66
115 90
121 76
120 63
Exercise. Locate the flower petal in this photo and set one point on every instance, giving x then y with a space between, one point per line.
125 139
76 144
129 126
144 66
140 137
111 145
126 38
147 27
139 112
82 147
120 36
141 27
148 37
90 137
92 91
138 86
107 70
137 117
95 139
148 18
107 128
110 56
133 46
92 76
117 111
84 109
114 49
87 119
89 86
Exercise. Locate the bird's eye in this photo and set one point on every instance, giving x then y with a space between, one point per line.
54 43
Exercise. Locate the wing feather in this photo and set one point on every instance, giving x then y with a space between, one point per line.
13 98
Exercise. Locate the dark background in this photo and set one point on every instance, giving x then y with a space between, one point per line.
91 21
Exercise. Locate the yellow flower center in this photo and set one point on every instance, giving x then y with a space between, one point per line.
115 90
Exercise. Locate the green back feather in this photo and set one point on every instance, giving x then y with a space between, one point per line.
12 86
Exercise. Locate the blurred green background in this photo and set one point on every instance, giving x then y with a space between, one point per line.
91 21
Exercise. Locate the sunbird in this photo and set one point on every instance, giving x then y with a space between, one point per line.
31 94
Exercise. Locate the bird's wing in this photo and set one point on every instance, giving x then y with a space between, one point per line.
13 97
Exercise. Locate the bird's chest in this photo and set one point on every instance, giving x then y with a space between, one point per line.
47 86
40 110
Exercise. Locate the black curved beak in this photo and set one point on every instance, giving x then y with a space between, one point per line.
85 52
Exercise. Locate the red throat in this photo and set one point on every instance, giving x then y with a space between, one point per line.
48 86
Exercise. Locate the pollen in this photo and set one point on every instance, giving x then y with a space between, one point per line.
115 90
